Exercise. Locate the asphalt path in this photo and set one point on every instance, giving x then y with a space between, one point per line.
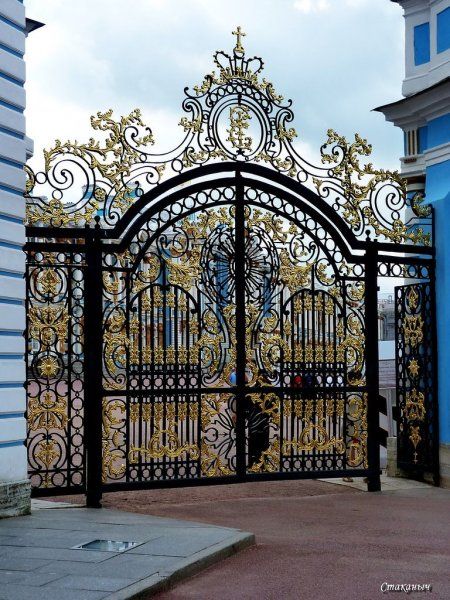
315 540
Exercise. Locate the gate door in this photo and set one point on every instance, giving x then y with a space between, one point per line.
233 345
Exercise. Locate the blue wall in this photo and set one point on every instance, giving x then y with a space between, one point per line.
422 134
438 131
434 133
421 44
438 193
443 30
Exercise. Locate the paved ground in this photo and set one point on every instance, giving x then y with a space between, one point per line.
38 560
315 540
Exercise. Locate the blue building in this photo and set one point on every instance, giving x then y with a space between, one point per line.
423 114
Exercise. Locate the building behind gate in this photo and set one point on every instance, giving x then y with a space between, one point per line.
424 116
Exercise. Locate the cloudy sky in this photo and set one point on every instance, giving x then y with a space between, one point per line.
337 60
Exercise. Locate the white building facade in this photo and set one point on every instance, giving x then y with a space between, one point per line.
14 147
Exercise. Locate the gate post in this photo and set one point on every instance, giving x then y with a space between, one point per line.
372 366
93 294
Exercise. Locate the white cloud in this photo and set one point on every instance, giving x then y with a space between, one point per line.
357 3
308 6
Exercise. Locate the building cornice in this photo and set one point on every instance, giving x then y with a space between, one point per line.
436 155
420 107
416 165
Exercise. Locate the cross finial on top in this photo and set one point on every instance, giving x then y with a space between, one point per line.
239 48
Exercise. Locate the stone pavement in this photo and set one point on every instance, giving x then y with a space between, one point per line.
388 484
38 558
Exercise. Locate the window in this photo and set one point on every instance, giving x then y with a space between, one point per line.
411 142
422 44
443 30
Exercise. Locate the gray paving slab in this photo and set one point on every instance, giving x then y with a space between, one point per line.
24 592
57 539
178 544
29 578
22 564
38 559
86 582
57 554
137 568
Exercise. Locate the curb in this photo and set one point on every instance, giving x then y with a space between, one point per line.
188 567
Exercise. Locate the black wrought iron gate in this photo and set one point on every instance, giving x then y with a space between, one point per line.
218 325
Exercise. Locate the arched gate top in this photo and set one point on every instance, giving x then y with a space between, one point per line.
234 115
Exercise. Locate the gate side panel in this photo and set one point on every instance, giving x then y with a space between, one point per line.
55 371
416 380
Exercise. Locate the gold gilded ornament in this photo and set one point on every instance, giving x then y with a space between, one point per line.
413 367
48 367
239 117
239 48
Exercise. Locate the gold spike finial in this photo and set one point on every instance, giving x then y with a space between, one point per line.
239 48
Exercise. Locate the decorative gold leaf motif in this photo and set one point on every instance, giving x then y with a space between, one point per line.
48 367
414 407
239 117
413 298
48 324
269 461
413 367
157 448
47 412
314 437
48 281
413 330
48 452
211 464
415 438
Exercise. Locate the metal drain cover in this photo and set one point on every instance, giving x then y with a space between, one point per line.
106 546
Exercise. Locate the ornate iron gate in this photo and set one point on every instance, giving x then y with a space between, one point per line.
209 322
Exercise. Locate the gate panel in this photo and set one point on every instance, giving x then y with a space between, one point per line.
305 346
169 352
417 435
55 370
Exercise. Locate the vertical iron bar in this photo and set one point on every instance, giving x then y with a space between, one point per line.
372 367
435 404
240 305
93 367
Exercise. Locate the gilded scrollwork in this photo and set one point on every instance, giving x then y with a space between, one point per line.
356 443
47 412
164 442
414 406
110 172
314 437
48 324
113 419
413 329
415 375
